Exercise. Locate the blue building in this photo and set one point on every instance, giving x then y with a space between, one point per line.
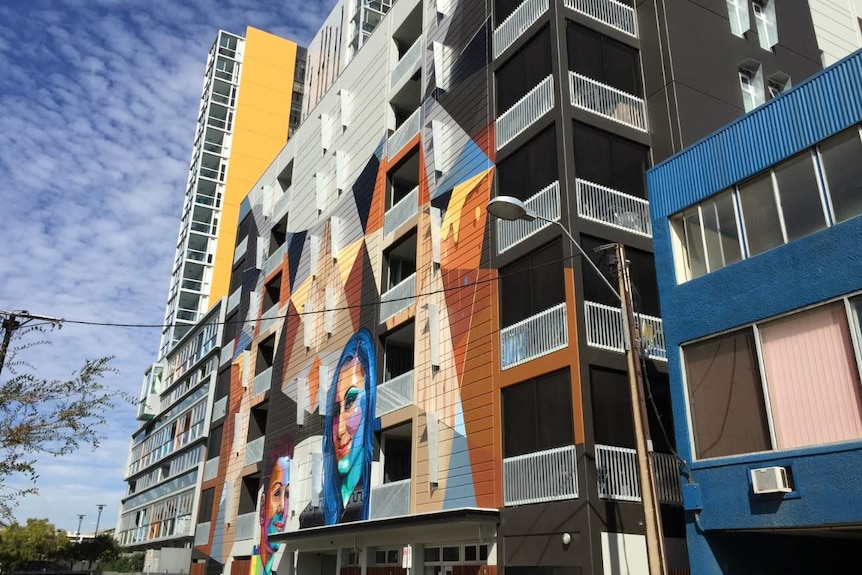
758 246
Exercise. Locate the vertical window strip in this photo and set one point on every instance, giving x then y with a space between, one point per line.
823 185
737 13
778 206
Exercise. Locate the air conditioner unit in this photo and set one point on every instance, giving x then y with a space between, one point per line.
770 480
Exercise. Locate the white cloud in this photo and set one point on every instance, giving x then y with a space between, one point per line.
99 103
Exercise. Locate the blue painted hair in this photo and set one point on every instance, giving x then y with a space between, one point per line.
360 347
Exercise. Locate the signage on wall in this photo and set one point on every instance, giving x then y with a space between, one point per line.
407 557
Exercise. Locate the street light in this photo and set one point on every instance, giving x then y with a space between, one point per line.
511 209
80 520
99 506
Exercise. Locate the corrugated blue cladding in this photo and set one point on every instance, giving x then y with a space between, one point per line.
815 109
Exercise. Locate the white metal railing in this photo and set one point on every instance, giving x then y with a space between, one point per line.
406 64
220 408
538 102
403 134
605 330
280 206
254 451
549 475
534 337
245 526
233 299
394 394
517 23
406 208
398 298
262 382
274 260
604 100
202 533
269 318
546 204
608 206
619 479
211 468
390 499
611 12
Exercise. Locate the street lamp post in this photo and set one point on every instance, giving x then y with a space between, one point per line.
80 520
99 506
511 209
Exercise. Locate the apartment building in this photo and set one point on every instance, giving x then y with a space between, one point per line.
409 383
755 233
251 99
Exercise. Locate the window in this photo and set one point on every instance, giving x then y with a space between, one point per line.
603 59
205 509
396 451
265 355
248 494
764 18
737 13
708 235
257 422
214 442
841 158
398 352
608 160
272 294
751 86
532 284
530 169
387 557
798 189
524 71
400 262
778 83
537 415
760 214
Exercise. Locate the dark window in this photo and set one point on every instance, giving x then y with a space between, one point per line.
641 270
603 59
532 284
800 196
611 161
223 381
248 494
842 162
214 442
272 293
265 355
398 351
726 396
531 168
452 554
397 458
400 261
537 414
503 9
524 70
257 422
205 510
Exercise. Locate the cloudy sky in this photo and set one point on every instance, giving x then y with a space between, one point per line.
98 103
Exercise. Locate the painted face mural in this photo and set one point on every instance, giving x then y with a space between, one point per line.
274 508
348 444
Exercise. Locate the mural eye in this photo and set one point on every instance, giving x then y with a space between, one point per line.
350 398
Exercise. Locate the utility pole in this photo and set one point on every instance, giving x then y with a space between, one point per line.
80 520
11 323
99 506
652 510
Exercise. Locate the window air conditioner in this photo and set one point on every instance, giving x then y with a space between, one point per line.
770 480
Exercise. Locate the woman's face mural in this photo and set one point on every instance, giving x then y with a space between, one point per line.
276 504
348 414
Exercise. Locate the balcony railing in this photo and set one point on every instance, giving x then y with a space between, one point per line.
202 533
220 408
406 208
534 337
390 499
398 298
211 468
406 64
616 209
281 205
233 299
538 102
394 394
619 478
545 203
601 99
274 260
269 318
549 475
517 23
262 381
254 450
614 14
245 526
605 331
403 134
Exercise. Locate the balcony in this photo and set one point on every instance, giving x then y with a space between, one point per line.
262 382
394 394
220 408
202 533
211 468
245 526
534 337
397 215
233 299
549 475
612 208
605 331
619 479
269 319
517 23
390 500
610 12
404 133
275 260
601 99
525 112
545 204
254 451
281 205
407 63
398 298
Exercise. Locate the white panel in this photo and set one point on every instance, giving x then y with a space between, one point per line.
325 132
346 107
316 478
330 313
253 305
314 253
434 332
441 146
262 253
320 183
436 226
624 554
433 429
335 231
307 318
441 64
246 368
322 387
342 170
301 399
237 432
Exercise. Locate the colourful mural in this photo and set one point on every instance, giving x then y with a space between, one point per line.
274 508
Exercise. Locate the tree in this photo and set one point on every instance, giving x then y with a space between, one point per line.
38 540
47 417
103 548
128 563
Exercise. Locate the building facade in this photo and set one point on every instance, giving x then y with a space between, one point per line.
755 233
406 381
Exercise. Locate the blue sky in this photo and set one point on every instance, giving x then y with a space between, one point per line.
98 103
